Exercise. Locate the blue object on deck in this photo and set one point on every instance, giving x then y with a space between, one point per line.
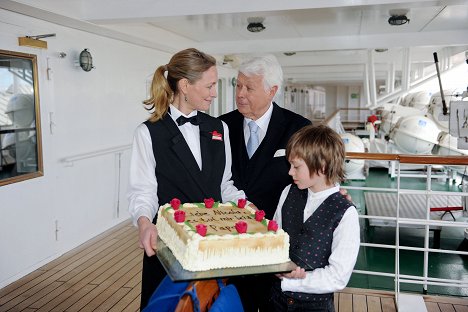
228 299
168 294
166 297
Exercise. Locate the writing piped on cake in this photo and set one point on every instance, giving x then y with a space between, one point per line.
220 237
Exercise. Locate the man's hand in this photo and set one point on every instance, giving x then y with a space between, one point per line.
344 192
147 235
298 273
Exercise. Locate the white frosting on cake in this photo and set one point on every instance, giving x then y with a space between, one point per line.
198 253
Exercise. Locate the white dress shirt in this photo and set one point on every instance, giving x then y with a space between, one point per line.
262 124
142 192
344 250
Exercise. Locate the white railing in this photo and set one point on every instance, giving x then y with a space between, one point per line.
426 223
69 160
117 151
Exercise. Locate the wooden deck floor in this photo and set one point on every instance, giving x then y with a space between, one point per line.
104 275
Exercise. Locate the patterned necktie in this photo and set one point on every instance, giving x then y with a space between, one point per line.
253 143
194 120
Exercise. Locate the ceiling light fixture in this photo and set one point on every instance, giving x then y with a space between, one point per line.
397 20
255 24
289 53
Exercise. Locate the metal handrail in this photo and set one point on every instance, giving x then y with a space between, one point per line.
428 160
412 159
69 160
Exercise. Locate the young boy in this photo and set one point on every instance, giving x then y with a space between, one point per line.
323 226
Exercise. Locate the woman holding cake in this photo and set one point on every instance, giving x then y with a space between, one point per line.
322 225
179 152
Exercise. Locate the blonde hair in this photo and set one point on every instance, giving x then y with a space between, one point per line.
187 64
322 149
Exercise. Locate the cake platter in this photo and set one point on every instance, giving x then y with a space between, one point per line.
178 274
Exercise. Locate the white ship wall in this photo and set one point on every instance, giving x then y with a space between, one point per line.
81 112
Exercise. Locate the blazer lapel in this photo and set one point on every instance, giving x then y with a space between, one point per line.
240 158
269 145
237 134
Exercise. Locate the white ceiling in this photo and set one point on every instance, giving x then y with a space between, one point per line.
330 37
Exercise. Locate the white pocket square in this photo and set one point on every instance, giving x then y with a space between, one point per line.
280 152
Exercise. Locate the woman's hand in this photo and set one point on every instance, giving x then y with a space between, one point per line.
147 235
298 273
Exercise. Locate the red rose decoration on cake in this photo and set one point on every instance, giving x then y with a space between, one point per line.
209 202
241 227
175 203
241 202
259 215
201 229
272 226
179 216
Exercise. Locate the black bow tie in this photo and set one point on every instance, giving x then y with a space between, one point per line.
194 120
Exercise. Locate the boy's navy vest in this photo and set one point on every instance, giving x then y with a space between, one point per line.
311 241
177 172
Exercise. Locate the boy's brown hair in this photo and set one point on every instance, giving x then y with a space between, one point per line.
322 149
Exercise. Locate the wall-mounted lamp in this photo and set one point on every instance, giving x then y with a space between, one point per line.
86 60
34 42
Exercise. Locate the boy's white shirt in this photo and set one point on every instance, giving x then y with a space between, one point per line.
344 250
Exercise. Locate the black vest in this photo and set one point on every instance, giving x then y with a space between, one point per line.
311 241
177 171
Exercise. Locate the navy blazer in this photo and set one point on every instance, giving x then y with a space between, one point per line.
263 177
